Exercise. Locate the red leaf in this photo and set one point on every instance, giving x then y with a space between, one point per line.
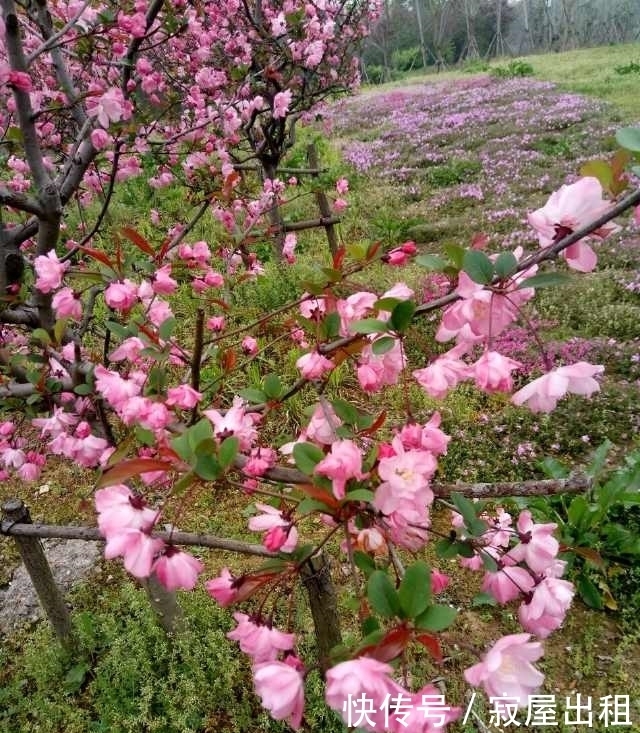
96 254
133 467
338 258
479 240
391 646
372 251
315 492
378 423
247 585
138 240
432 645
228 359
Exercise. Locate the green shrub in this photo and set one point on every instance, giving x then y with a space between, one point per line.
475 66
633 67
407 59
453 173
513 69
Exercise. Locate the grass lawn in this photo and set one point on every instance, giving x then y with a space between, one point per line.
437 159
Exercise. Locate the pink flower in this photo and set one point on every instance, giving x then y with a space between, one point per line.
492 372
507 584
281 103
100 138
176 569
223 588
342 186
355 678
110 107
216 323
314 365
183 396
542 394
444 373
262 643
344 462
538 547
375 372
339 205
235 421
49 272
67 304
20 80
119 508
281 689
129 349
323 424
439 581
506 670
281 534
567 209
289 246
114 388
137 548
163 283
426 437
546 609
249 346
121 296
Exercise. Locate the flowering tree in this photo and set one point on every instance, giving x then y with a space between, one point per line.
98 95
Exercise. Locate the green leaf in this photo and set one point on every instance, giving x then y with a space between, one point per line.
431 262
490 565
331 325
253 395
208 468
506 264
370 625
82 389
553 468
182 447
629 138
468 511
346 412
360 495
167 327
455 253
382 595
272 386
308 505
201 431
478 266
483 599
402 315
545 280
594 469
307 456
364 562
600 169
387 304
369 325
436 618
577 509
39 334
74 679
119 330
228 451
383 345
589 592
415 589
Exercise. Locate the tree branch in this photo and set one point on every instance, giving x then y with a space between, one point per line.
49 531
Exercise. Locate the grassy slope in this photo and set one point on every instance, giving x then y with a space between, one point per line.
590 655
